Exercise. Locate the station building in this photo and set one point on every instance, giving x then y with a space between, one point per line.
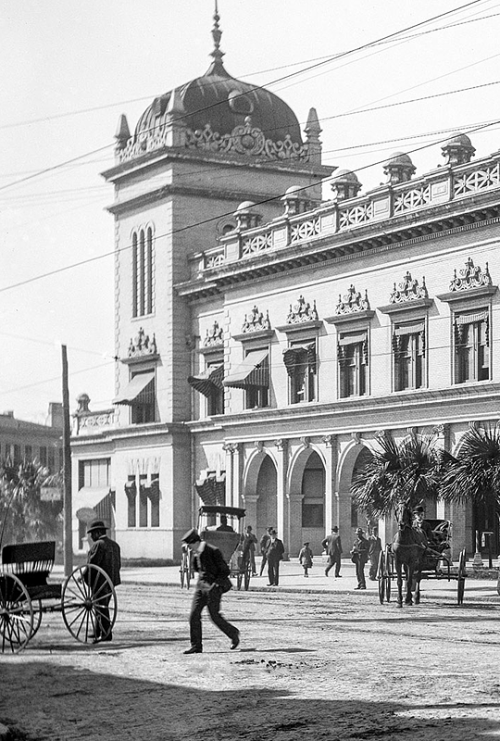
268 337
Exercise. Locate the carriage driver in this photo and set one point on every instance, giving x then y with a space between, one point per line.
422 524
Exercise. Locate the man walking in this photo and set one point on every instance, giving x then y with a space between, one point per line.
249 543
274 553
213 581
333 546
105 553
374 551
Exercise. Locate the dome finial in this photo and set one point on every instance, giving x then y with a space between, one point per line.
217 54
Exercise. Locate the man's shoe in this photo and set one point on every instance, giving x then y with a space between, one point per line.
193 650
235 642
338 576
109 637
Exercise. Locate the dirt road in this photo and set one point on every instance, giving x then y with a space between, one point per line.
337 667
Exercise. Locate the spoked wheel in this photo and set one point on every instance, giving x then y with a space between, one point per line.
247 575
16 614
462 559
37 616
88 595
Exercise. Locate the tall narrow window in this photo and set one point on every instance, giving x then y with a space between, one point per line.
472 356
142 272
353 362
409 352
300 362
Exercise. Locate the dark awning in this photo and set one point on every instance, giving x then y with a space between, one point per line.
212 489
205 382
253 371
295 356
136 386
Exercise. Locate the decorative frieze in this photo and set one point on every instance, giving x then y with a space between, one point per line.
408 290
471 276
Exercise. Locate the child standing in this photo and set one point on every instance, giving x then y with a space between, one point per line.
306 558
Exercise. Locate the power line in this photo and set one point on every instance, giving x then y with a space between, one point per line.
316 65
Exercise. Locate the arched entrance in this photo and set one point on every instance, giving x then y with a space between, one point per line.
313 503
349 517
266 492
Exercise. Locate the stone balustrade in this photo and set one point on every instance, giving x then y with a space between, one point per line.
90 423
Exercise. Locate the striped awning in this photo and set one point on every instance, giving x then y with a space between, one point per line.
478 316
295 356
205 382
253 371
137 387
352 339
407 329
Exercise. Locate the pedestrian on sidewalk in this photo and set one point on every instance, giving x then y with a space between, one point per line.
306 558
213 582
274 553
333 546
359 557
264 542
248 547
374 551
105 553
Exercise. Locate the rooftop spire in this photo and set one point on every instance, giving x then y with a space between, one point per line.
217 54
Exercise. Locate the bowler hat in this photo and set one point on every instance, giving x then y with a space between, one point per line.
191 536
359 530
97 525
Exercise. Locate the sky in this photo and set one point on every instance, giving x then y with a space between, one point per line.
71 67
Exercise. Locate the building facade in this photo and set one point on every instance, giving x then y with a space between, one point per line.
267 337
21 440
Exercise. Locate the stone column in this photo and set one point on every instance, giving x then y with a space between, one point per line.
294 534
331 496
282 458
229 450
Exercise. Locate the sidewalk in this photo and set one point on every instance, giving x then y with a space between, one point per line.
292 580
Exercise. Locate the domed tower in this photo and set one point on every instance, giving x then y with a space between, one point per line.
196 154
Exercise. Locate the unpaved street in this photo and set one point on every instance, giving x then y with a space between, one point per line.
310 666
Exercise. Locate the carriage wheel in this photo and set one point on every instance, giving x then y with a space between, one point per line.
86 593
462 559
381 578
247 575
37 616
16 614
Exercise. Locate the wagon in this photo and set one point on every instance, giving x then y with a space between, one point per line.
26 592
228 540
433 568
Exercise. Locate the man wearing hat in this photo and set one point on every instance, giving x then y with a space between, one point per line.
333 546
213 571
359 556
105 553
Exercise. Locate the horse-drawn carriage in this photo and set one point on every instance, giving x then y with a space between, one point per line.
420 558
26 592
222 527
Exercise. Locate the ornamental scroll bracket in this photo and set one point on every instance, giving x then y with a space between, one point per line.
469 277
408 290
352 302
302 311
142 345
255 321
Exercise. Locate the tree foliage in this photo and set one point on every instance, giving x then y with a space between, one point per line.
474 475
24 516
398 474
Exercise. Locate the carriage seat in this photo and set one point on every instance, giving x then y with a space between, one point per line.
30 562
224 540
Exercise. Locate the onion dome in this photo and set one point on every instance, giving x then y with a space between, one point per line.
458 149
345 184
399 168
221 102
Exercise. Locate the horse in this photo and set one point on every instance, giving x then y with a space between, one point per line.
410 548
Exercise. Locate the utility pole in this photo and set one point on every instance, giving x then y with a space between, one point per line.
67 498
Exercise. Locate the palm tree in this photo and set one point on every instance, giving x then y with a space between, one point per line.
475 475
399 474
24 515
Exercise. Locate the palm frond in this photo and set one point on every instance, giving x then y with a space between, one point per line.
475 473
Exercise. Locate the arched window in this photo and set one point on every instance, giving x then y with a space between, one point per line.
142 272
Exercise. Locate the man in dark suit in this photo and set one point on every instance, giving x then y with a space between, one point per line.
333 547
212 572
264 542
274 553
359 554
105 553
